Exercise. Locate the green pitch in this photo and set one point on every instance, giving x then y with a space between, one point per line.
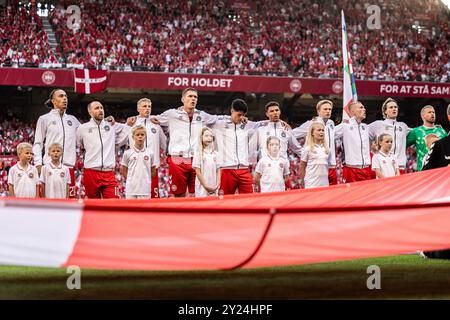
402 277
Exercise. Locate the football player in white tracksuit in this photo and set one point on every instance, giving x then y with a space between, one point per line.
156 139
99 138
57 127
276 128
184 124
235 150
355 138
398 130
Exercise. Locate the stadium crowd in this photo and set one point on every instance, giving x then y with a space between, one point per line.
298 38
23 41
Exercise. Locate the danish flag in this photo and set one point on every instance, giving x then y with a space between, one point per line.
89 81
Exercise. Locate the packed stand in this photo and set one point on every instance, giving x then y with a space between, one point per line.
23 41
288 38
276 38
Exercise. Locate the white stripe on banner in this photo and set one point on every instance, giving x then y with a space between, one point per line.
87 85
38 233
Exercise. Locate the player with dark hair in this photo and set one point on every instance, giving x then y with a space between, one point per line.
57 127
397 130
276 128
235 152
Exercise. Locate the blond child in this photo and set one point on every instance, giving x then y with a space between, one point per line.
272 171
385 163
23 178
137 166
315 156
55 177
204 162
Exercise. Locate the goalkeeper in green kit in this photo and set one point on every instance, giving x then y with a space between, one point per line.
417 135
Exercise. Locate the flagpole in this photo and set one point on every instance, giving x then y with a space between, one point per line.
349 93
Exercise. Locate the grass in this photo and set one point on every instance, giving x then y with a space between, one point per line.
402 277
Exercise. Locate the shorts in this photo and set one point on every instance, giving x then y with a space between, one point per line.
236 179
332 176
100 184
155 186
350 174
72 187
182 175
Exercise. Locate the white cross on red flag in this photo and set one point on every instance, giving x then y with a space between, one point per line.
89 81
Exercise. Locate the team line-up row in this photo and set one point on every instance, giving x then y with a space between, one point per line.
210 154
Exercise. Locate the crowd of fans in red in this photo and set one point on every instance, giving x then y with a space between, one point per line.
23 41
301 38
14 131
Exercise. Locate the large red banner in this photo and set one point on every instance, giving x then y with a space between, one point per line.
349 221
211 82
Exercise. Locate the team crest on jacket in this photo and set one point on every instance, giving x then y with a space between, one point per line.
283 134
69 123
399 128
62 174
107 128
153 130
362 127
331 126
243 126
199 118
31 175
